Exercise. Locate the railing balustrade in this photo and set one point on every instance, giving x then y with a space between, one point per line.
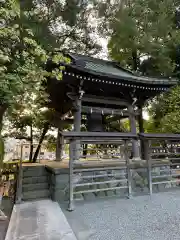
162 153
110 174
105 163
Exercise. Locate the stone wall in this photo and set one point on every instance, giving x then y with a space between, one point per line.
162 174
59 183
35 183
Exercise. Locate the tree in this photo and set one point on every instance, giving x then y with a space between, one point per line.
21 59
15 61
165 112
31 31
50 142
66 25
28 121
145 29
144 36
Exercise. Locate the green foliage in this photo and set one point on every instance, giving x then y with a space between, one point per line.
65 25
31 30
165 112
21 65
144 37
20 55
50 143
144 29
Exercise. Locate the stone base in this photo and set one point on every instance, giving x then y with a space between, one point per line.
59 183
40 220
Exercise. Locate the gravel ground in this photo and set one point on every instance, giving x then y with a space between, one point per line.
140 218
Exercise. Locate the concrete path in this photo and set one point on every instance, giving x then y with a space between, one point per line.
7 205
3 228
140 218
40 220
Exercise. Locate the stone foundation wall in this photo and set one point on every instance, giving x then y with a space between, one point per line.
59 183
159 173
35 183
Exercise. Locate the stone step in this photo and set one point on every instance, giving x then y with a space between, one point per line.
33 187
30 167
35 180
40 220
34 171
31 195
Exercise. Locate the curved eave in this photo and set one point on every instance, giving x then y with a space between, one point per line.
133 78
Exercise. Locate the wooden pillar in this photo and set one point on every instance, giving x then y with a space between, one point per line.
77 116
141 130
140 120
59 146
132 119
77 127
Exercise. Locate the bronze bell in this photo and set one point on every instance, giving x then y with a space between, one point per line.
95 122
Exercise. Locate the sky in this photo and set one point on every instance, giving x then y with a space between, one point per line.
104 53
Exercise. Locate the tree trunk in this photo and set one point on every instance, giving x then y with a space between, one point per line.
46 127
31 144
3 108
59 146
2 111
135 60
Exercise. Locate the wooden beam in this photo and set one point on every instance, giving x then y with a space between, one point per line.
60 123
108 111
104 111
103 100
98 135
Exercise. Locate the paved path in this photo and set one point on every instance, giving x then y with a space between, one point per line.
40 220
7 206
140 218
3 228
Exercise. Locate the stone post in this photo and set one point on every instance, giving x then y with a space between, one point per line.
141 130
77 127
148 160
132 119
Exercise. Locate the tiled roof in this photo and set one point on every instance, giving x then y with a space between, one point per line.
106 68
113 70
